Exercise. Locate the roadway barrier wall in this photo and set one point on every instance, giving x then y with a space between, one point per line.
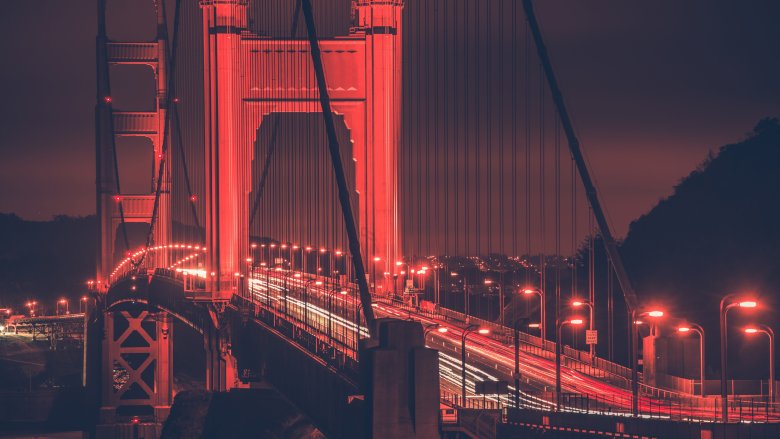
519 423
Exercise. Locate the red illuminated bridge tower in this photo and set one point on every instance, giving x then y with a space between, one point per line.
248 77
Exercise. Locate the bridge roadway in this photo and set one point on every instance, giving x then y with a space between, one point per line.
330 310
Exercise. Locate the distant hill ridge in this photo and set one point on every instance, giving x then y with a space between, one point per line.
719 231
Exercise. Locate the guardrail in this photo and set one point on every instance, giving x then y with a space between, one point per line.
342 358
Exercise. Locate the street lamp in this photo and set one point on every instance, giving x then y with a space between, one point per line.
31 306
63 303
634 337
542 310
516 374
306 299
377 259
764 329
558 326
577 303
726 304
692 327
434 326
469 329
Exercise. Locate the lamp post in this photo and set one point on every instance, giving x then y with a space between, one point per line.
434 326
63 303
542 310
516 374
83 304
692 327
377 259
764 329
580 303
306 298
305 260
558 326
634 338
726 304
398 265
469 329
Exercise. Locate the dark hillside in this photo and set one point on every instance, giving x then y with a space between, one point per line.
719 232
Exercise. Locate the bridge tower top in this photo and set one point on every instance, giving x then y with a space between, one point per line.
378 16
227 14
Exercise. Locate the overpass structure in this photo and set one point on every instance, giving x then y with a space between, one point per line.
327 326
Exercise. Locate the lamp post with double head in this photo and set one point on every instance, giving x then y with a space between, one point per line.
728 302
469 329
578 303
634 338
559 324
542 309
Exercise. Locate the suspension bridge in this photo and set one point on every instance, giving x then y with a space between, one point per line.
355 200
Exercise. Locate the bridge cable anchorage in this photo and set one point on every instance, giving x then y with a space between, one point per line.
335 155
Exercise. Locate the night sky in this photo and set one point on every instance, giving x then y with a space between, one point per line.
652 87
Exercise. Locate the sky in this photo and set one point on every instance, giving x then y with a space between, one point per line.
651 86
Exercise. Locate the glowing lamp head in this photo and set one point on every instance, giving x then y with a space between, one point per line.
655 313
284 245
308 249
295 247
63 301
488 281
483 331
442 329
748 304
273 245
576 321
398 263
577 303
683 329
344 292
318 283
534 325
84 298
528 291
253 245
377 259
297 275
751 330
323 250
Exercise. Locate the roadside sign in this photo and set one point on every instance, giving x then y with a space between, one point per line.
591 336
